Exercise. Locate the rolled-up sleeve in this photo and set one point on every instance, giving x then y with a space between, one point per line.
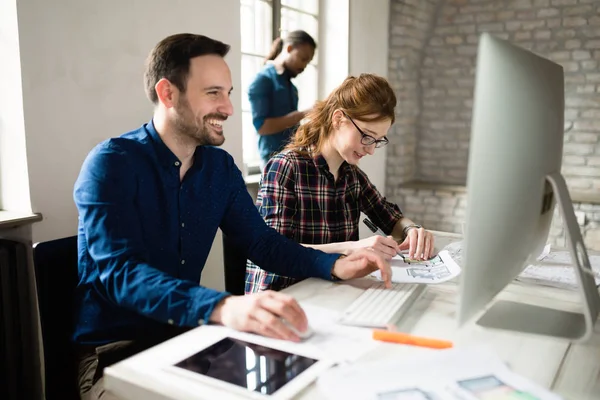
383 213
260 93
104 194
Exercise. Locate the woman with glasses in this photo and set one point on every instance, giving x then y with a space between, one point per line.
313 191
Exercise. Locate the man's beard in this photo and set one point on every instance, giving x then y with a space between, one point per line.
291 72
196 127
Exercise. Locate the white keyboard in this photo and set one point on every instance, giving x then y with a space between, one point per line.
377 306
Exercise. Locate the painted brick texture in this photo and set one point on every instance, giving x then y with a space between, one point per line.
433 46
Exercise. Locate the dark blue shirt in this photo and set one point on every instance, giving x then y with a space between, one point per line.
144 236
272 95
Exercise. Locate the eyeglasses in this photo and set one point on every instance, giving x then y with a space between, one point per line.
368 140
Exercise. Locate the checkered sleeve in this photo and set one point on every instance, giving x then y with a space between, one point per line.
277 196
276 202
383 213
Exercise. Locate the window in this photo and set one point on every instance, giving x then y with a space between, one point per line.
261 22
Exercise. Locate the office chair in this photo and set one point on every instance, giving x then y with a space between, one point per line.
20 374
234 260
55 263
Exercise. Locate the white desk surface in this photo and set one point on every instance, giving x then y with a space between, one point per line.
571 370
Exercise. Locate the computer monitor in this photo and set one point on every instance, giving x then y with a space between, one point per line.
513 184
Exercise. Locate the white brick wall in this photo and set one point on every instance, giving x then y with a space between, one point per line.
432 62
444 209
433 45
410 24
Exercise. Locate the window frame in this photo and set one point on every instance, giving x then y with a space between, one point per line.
252 167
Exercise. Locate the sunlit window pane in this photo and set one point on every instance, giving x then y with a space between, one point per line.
310 6
249 140
256 32
292 20
256 21
306 83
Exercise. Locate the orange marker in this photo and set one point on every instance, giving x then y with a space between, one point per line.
403 338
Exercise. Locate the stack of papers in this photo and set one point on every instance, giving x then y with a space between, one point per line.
457 374
438 269
455 251
553 268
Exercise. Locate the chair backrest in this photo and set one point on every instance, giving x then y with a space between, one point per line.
234 260
56 274
20 374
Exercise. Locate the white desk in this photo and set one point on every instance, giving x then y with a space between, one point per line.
572 370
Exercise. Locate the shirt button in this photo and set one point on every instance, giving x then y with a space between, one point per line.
183 224
170 321
177 163
182 261
200 322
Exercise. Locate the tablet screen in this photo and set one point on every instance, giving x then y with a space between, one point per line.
251 366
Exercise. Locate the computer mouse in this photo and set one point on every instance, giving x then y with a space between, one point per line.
302 335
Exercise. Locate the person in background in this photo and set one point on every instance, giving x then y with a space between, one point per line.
313 192
150 202
274 98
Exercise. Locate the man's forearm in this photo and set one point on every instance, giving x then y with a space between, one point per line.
339 247
216 315
272 126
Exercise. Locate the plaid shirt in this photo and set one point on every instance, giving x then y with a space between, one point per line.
299 198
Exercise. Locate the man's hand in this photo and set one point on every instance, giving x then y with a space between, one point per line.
361 263
419 243
262 313
386 247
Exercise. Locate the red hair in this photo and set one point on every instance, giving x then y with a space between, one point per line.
366 95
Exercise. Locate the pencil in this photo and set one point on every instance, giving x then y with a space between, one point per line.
404 338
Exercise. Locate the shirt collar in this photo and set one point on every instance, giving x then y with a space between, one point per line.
165 155
321 164
279 69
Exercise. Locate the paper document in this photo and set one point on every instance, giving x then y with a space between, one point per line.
334 341
339 342
455 250
556 269
457 374
438 269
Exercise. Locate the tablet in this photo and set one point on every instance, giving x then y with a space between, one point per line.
251 367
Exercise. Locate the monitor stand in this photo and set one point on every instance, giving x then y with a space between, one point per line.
577 327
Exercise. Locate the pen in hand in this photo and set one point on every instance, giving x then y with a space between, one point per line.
373 227
376 230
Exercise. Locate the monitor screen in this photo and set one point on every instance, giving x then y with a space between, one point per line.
247 365
516 143
514 181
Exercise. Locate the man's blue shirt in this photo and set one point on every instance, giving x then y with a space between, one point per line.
272 95
144 236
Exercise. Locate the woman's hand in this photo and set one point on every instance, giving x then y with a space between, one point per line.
386 247
419 243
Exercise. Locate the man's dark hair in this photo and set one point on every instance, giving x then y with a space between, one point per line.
295 38
170 59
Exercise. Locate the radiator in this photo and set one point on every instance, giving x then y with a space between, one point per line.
19 349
